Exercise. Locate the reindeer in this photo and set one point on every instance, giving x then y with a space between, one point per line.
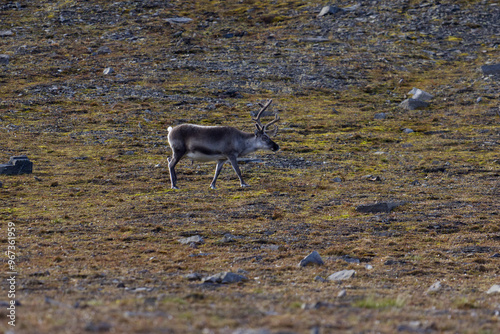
219 143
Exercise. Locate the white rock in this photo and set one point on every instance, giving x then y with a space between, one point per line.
435 288
195 239
342 275
494 289
420 95
329 10
179 20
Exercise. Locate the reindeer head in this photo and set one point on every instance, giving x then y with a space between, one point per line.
262 133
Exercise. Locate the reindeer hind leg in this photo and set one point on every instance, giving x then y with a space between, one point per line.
172 162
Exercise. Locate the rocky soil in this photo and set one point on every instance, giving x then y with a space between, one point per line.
378 215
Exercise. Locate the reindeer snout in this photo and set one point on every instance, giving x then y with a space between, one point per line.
275 147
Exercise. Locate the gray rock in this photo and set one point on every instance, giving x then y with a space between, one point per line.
352 8
380 115
17 165
6 33
378 207
319 279
318 39
434 288
408 130
251 331
342 293
311 259
194 277
99 327
494 289
420 95
491 69
329 10
195 239
4 59
103 50
179 20
228 237
349 259
337 179
412 104
108 70
315 330
341 275
225 278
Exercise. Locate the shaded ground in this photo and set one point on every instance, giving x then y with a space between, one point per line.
97 226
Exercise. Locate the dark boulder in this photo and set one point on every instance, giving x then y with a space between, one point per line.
17 165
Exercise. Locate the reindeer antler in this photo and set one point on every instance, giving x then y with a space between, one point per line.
259 125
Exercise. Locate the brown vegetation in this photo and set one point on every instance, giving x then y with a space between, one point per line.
97 224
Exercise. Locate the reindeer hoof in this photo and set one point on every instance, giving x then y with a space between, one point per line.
244 185
175 187
213 187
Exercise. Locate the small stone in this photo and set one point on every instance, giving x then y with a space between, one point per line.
408 130
319 279
4 59
329 10
179 20
195 239
313 258
194 277
341 275
337 179
103 50
494 289
225 278
434 288
342 293
349 259
107 70
368 267
491 69
412 104
98 327
228 237
380 115
6 33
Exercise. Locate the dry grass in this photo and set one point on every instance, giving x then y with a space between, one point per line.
97 228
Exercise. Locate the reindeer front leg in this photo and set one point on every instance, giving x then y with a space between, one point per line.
234 163
220 163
